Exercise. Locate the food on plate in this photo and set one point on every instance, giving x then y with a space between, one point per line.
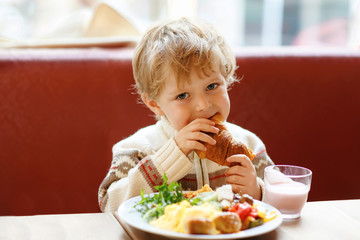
225 146
201 225
227 222
152 207
201 212
184 217
191 194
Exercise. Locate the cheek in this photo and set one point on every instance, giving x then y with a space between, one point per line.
177 116
178 122
224 103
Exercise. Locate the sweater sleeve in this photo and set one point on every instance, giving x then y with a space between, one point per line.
132 170
260 162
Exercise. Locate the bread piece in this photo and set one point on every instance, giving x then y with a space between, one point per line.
199 225
227 222
192 194
225 146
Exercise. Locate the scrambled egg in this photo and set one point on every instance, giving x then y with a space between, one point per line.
177 215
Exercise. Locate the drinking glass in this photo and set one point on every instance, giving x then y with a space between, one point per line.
287 188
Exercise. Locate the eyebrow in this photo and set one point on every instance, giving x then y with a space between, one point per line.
215 78
176 92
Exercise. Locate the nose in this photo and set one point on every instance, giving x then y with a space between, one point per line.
202 103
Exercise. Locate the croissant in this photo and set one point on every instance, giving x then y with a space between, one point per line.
225 146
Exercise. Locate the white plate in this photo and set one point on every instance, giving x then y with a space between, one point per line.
132 217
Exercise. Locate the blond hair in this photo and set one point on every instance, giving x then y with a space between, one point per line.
179 45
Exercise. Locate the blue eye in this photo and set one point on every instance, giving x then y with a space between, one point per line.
182 96
212 86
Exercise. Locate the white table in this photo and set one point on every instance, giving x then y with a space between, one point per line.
68 226
324 220
319 220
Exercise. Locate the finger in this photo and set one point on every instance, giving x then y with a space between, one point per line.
238 188
203 125
235 180
236 170
242 188
203 137
194 145
209 129
240 170
242 159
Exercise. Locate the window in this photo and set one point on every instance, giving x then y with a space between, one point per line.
320 23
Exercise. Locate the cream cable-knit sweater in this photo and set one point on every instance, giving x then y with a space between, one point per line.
140 161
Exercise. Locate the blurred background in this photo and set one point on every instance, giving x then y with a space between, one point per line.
314 23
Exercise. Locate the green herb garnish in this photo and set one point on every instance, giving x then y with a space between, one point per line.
152 207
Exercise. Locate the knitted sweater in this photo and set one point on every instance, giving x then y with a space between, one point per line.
140 161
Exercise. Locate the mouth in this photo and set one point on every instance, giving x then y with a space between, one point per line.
217 117
213 115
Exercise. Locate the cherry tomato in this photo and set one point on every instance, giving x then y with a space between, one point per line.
242 209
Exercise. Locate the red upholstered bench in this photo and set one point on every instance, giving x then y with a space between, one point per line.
62 110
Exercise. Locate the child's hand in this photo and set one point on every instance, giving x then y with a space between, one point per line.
242 176
189 138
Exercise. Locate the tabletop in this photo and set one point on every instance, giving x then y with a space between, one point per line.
319 220
68 226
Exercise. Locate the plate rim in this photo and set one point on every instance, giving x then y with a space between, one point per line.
124 211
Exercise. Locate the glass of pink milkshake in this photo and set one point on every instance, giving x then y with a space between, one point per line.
287 188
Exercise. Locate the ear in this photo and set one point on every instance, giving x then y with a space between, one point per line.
152 104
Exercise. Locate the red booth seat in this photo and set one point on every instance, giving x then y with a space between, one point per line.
62 110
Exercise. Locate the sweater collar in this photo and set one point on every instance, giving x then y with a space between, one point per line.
168 128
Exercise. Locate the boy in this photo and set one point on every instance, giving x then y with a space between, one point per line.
182 72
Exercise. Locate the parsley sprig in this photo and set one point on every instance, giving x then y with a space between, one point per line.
152 207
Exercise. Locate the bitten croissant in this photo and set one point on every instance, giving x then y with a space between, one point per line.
225 146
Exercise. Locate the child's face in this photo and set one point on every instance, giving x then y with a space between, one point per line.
202 97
